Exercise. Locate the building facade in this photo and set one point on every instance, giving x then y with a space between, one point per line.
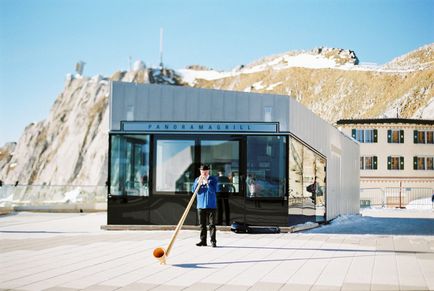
276 161
396 156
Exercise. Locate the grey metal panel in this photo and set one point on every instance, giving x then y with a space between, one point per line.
281 106
242 106
217 101
180 105
155 104
256 108
230 106
142 103
167 101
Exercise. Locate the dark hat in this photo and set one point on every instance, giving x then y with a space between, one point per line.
204 167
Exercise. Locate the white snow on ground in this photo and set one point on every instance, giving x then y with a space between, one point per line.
420 204
72 196
388 221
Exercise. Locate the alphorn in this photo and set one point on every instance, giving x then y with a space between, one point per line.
160 253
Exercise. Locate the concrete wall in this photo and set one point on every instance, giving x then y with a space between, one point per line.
169 103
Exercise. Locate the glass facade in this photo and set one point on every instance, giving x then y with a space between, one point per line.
307 183
266 167
174 166
263 180
129 165
223 156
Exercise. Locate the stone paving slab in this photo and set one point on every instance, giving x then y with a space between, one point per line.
57 251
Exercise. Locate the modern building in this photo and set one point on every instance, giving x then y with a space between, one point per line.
278 163
396 158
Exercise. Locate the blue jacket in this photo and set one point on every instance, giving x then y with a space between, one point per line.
206 196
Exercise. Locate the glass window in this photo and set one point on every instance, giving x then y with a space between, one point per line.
362 163
360 135
307 184
395 163
365 135
266 167
370 163
430 137
369 136
174 165
395 136
129 165
421 137
421 163
430 163
224 161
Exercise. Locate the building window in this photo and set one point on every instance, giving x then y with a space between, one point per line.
307 187
395 136
368 163
129 165
422 136
395 163
266 167
174 165
430 163
365 135
423 163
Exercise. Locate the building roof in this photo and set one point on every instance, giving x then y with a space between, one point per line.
385 121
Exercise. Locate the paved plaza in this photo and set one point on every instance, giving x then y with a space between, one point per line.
60 251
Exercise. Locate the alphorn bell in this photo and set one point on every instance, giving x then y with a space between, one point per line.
161 253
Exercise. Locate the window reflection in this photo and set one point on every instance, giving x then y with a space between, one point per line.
174 165
266 173
307 183
223 158
129 165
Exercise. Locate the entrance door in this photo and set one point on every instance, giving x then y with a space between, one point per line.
265 184
223 156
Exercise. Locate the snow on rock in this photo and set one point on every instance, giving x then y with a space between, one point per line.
189 76
426 112
72 196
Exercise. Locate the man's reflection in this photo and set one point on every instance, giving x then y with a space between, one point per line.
223 189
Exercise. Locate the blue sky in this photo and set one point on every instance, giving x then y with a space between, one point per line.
40 41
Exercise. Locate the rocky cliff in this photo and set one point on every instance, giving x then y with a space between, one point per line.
70 146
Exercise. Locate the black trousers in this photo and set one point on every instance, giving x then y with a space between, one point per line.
204 215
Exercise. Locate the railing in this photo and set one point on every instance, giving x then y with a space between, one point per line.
66 197
397 197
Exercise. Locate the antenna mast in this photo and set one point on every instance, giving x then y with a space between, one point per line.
161 47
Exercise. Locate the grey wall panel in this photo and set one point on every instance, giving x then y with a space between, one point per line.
180 106
230 106
141 109
217 101
242 107
281 106
256 108
155 103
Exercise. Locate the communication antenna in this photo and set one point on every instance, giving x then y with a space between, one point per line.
161 47
79 67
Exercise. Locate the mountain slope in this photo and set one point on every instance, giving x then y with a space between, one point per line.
342 90
70 146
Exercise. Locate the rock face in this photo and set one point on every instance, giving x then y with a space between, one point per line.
341 88
70 146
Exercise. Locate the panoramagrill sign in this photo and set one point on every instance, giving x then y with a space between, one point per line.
158 126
